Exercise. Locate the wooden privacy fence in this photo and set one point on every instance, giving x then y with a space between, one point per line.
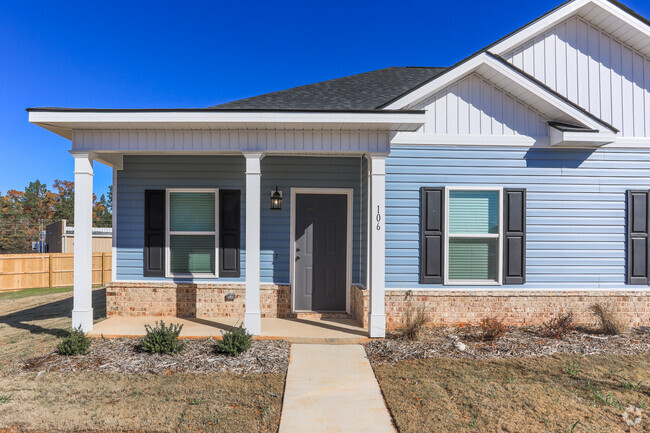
26 271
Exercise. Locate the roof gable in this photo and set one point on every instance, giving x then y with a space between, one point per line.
508 78
365 91
610 16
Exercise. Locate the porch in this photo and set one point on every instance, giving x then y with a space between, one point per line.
253 148
294 330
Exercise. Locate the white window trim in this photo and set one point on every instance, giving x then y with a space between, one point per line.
169 233
498 236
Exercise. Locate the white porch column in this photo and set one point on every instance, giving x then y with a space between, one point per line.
377 236
252 317
82 310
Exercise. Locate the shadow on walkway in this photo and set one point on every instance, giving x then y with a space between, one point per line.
24 319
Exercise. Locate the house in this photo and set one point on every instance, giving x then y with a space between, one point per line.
513 184
59 238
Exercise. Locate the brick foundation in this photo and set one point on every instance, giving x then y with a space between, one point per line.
359 305
521 307
192 300
444 307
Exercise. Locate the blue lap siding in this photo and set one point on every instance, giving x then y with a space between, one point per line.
575 207
159 172
228 172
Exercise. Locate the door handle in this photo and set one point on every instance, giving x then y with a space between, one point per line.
297 250
297 258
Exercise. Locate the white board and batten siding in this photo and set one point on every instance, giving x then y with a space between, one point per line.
475 106
592 69
229 141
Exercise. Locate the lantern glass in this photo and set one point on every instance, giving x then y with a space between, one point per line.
276 199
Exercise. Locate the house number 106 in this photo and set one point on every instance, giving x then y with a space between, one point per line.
378 218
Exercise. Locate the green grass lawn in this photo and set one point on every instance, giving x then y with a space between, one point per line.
25 293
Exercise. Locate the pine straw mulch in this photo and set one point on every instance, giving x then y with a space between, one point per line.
518 342
123 355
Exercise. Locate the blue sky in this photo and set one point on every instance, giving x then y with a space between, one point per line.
129 54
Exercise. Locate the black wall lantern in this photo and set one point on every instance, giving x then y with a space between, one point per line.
276 199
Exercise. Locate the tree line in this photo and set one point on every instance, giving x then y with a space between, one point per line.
24 213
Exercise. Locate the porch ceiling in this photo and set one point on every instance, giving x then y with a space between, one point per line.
64 121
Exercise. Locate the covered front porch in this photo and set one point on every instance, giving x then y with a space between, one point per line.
299 331
318 156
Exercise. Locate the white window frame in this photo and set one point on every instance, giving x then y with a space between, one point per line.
169 233
498 236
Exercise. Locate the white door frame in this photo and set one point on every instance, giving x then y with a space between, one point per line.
348 192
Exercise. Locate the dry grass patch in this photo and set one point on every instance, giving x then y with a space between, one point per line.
517 395
107 402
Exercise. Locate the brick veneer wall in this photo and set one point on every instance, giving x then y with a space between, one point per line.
444 307
359 305
192 300
517 307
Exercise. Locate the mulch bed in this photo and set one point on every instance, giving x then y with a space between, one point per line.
517 342
123 355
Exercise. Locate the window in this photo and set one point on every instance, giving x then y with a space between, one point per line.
473 241
192 233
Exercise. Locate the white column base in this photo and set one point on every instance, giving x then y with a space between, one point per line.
83 319
377 325
253 323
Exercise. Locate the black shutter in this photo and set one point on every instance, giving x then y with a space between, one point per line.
431 235
229 233
154 233
514 239
637 237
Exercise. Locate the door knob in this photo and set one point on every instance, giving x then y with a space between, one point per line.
297 250
297 258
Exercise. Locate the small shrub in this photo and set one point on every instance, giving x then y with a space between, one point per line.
5 398
162 339
414 321
608 322
491 328
559 325
76 343
235 341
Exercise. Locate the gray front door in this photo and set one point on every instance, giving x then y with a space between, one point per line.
320 252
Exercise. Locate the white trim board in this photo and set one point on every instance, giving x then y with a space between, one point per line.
576 7
349 193
532 93
519 288
63 123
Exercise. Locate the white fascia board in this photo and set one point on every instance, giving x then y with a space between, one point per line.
579 139
545 23
487 60
438 83
64 118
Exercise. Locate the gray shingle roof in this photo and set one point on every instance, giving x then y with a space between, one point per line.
366 91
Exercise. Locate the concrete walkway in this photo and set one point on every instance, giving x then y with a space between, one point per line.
332 389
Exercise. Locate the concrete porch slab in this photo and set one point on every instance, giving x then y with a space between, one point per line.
314 331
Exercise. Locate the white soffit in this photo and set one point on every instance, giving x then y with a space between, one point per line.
64 122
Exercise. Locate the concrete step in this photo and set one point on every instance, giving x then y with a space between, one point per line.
318 315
